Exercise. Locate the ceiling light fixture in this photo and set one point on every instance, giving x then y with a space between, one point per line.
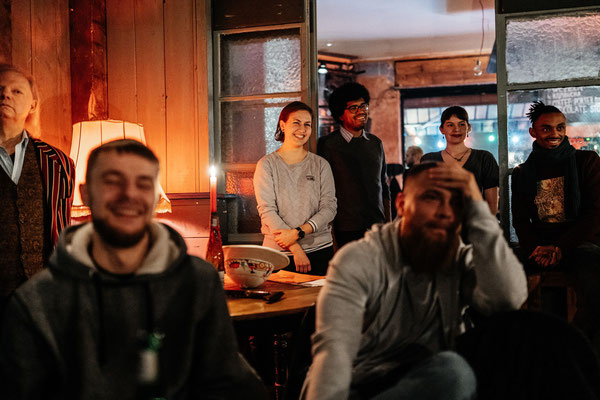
477 71
322 69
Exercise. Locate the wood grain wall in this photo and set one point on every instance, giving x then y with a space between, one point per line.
40 46
157 76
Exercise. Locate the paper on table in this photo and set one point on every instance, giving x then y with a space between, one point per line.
319 282
294 278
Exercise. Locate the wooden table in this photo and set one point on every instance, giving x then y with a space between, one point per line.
296 298
254 319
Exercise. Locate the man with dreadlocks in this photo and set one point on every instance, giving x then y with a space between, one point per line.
556 211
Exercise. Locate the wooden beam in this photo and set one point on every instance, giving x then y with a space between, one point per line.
89 91
441 72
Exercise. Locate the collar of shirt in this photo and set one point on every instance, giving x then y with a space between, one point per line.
13 169
347 135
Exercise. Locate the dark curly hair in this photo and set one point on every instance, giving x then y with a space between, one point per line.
456 111
538 108
285 114
341 96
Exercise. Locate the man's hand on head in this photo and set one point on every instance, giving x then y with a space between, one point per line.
455 178
546 256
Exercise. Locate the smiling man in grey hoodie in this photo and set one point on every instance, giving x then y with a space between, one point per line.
123 312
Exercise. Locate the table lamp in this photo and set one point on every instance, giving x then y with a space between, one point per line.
88 135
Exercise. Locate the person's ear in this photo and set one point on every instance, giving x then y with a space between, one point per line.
400 203
281 125
84 194
34 106
532 133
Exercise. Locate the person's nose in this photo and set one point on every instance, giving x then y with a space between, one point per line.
129 190
4 94
445 210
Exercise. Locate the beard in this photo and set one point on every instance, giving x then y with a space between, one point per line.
118 239
427 253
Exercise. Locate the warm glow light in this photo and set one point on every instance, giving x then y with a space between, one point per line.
213 188
88 135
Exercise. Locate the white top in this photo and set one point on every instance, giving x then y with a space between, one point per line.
14 169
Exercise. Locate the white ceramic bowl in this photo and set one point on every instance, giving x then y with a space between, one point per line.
250 265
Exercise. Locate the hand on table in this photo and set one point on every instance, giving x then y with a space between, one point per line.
546 256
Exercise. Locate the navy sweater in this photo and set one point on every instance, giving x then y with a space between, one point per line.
360 182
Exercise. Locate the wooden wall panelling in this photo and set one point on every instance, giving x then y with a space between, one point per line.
21 34
5 32
121 65
190 216
150 77
51 69
88 60
441 72
182 135
203 37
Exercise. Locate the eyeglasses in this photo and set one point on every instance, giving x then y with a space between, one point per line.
354 109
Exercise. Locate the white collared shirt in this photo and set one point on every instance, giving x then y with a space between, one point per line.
347 135
14 169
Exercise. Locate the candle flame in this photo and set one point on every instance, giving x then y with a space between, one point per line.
213 171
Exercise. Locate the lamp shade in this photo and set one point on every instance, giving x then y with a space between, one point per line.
88 135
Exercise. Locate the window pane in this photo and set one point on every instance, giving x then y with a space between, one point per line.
248 129
426 134
240 183
581 106
260 62
553 48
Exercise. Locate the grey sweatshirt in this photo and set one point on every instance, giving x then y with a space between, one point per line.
76 332
374 311
291 195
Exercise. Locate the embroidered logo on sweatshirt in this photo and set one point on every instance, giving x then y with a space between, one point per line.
310 178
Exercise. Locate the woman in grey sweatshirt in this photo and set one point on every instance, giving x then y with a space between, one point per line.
295 193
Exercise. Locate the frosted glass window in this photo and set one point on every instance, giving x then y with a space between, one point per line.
553 48
581 106
241 183
260 62
248 129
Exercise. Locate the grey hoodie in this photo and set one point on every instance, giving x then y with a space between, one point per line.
74 332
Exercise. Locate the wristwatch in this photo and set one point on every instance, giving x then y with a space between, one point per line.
300 233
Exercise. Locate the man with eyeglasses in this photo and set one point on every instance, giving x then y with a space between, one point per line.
358 165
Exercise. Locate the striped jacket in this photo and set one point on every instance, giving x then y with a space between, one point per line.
58 178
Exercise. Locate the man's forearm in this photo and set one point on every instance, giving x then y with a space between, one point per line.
501 282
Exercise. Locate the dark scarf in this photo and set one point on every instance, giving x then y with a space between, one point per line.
564 154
